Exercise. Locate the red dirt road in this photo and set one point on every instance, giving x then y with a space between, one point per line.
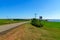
13 34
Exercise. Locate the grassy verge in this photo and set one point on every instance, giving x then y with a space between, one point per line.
9 21
50 31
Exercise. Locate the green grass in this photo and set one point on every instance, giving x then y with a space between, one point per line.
50 31
53 28
9 21
5 21
52 24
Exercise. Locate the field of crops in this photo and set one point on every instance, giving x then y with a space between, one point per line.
53 28
8 21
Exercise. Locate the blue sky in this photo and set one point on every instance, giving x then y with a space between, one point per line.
49 9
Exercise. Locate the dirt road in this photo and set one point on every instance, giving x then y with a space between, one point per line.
16 33
9 26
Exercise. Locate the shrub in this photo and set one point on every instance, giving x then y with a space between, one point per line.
36 22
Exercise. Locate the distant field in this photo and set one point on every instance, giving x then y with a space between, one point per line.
53 28
52 24
8 21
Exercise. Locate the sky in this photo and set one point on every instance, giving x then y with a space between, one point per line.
26 9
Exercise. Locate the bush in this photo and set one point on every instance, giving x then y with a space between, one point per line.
36 22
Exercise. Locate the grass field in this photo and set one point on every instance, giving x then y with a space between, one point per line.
4 21
8 21
54 29
50 31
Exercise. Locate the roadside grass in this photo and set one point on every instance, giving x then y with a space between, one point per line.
50 31
8 21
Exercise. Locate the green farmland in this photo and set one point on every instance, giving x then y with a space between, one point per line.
9 21
53 28
50 31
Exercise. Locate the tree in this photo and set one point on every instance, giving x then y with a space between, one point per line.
40 17
36 22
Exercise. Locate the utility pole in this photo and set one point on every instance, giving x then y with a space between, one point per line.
35 15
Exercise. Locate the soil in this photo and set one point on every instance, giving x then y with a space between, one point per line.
13 34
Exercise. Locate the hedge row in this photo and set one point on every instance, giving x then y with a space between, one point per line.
36 22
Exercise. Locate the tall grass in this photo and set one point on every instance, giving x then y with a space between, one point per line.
8 21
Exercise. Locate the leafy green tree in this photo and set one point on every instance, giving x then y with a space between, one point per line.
36 22
40 17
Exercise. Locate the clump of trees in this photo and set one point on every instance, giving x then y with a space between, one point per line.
37 22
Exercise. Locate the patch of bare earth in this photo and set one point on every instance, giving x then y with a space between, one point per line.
13 34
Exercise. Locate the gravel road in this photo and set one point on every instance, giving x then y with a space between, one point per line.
10 26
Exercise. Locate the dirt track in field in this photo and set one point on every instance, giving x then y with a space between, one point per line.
13 34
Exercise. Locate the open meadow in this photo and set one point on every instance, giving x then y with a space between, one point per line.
9 21
50 31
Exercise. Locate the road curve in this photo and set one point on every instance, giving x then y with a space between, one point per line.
10 26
